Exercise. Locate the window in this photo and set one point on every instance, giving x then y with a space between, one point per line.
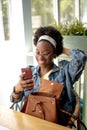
83 9
67 10
58 10
42 13
12 47
4 20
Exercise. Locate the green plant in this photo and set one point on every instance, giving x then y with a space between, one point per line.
74 28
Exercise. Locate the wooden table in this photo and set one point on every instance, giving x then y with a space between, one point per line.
19 121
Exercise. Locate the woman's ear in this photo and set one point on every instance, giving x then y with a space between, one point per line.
54 56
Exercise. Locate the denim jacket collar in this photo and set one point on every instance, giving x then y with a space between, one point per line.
36 69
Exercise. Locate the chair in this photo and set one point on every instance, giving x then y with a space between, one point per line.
75 121
17 105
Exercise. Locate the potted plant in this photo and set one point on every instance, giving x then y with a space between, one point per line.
75 34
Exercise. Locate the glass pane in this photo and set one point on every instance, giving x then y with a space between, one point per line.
4 17
67 10
83 9
42 13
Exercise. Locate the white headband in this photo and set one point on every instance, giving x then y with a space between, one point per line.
48 38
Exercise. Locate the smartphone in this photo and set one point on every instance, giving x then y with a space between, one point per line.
28 73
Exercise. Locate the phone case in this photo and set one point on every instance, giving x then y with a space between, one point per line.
28 73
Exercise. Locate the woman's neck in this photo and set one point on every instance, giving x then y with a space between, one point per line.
44 70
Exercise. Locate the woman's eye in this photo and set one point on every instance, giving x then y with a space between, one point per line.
45 54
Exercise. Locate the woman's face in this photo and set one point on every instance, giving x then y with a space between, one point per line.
44 53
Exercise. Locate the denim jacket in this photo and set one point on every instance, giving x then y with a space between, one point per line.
66 73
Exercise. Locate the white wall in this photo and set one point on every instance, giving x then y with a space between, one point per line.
12 54
12 59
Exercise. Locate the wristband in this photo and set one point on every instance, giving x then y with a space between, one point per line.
15 91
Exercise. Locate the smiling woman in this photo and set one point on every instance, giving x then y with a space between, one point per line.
49 41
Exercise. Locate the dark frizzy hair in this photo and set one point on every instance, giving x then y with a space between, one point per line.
52 32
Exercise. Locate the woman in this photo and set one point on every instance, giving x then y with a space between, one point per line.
49 45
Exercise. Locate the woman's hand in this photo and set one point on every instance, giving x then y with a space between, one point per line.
66 51
24 84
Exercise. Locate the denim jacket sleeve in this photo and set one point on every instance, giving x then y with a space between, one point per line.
17 100
75 67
